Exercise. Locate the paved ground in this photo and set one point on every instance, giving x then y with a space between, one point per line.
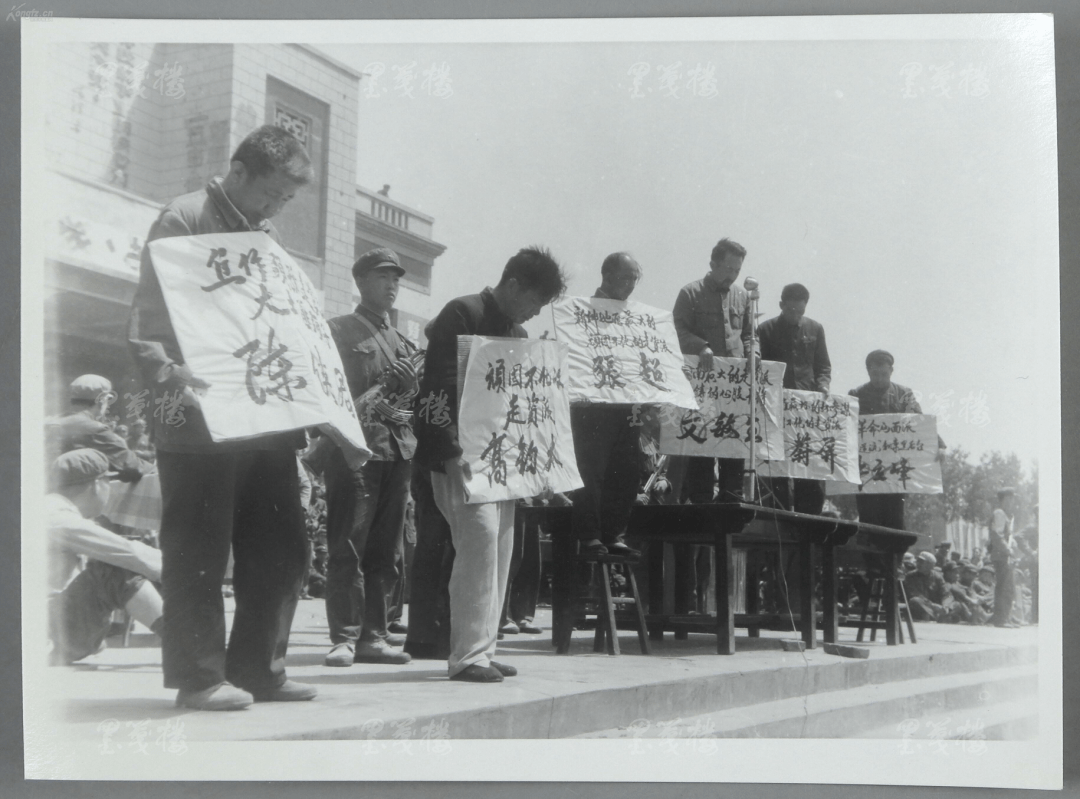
124 685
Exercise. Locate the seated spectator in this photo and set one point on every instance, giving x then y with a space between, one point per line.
84 426
983 586
980 603
927 596
118 571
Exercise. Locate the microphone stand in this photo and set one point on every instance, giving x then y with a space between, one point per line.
750 482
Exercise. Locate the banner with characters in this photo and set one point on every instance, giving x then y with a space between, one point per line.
250 324
821 438
514 419
897 455
620 352
721 428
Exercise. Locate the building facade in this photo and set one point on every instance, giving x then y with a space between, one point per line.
131 126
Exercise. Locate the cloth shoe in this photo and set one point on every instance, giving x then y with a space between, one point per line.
378 651
509 629
341 655
618 546
503 669
288 691
223 696
394 639
592 547
527 626
478 673
397 627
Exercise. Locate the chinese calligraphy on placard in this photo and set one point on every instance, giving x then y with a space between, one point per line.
621 352
249 323
821 438
897 455
514 419
721 428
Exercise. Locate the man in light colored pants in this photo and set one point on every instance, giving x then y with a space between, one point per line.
483 536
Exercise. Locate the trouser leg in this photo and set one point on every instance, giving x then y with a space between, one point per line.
525 587
197 496
384 541
483 540
270 545
515 565
81 615
429 602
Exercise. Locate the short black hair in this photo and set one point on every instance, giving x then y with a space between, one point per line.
879 356
272 149
726 247
795 292
614 262
535 269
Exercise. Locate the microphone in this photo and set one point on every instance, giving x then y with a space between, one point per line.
751 285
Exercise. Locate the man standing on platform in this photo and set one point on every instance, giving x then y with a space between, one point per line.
795 339
606 444
713 318
365 507
881 395
1004 554
243 494
483 533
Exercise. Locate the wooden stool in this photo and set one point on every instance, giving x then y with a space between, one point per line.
603 606
877 620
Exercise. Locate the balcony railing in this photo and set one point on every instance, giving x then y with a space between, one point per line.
386 210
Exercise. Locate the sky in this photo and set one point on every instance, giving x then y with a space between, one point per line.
909 184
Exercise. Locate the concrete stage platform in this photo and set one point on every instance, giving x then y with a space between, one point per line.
972 682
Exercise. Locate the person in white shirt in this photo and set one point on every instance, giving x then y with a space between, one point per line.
1004 552
119 573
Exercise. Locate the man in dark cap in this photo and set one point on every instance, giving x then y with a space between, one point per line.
118 571
881 395
483 533
1004 554
83 426
241 494
365 507
927 596
798 341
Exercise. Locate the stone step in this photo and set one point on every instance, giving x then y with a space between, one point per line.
854 712
1001 721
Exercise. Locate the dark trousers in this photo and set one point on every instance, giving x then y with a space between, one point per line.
433 561
251 502
1004 592
807 496
609 462
886 510
700 480
365 522
523 586
80 616
399 597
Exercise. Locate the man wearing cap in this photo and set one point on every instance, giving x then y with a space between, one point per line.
243 494
117 572
881 395
1004 554
365 507
712 318
798 341
976 603
83 426
927 597
482 533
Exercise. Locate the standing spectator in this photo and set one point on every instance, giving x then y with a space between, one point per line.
483 532
365 507
1004 554
242 494
881 395
433 562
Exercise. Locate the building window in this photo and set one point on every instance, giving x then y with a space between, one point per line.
302 222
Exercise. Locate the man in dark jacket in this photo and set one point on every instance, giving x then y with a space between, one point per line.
242 494
365 507
795 339
483 533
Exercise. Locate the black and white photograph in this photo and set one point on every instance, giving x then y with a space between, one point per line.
621 400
